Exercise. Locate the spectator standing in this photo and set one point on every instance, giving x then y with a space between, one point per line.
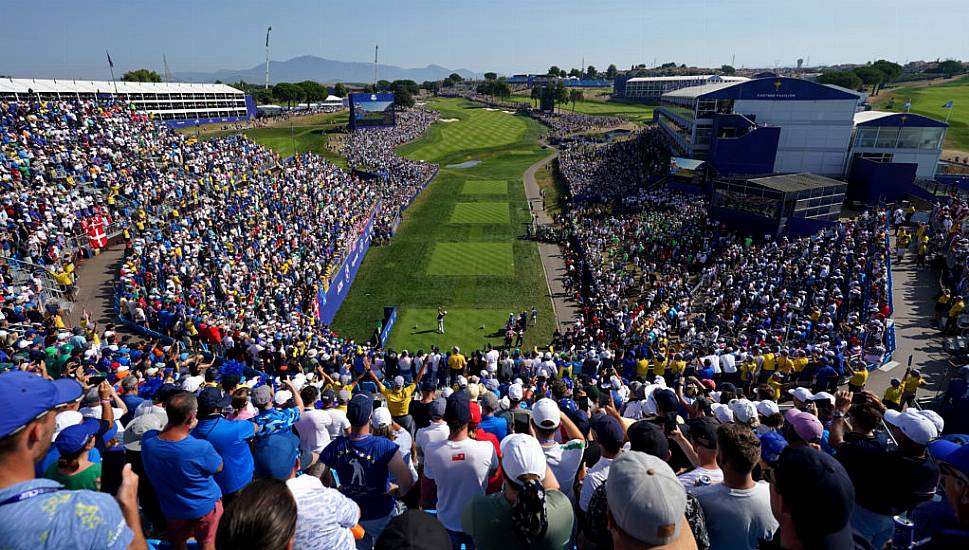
230 439
489 421
364 464
703 438
273 420
426 438
737 511
460 467
609 434
182 470
646 505
529 512
399 398
314 424
38 513
944 524
564 459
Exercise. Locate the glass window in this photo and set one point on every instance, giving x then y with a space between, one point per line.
865 137
909 138
887 136
931 138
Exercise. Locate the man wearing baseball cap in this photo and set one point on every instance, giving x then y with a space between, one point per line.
460 466
913 474
427 438
945 523
647 505
230 439
272 420
812 498
564 459
364 463
36 510
530 512
399 398
610 435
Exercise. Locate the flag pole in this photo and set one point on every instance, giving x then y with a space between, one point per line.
111 66
267 56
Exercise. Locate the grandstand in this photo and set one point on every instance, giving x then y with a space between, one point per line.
175 104
653 87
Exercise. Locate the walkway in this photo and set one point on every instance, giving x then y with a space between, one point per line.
563 305
914 292
95 287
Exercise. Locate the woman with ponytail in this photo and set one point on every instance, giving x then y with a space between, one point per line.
73 470
530 513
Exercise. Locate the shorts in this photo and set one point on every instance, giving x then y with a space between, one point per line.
203 528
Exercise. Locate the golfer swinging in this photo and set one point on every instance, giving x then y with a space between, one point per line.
441 312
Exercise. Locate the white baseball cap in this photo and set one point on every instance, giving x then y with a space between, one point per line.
722 412
934 417
282 396
801 394
767 408
743 410
66 419
917 427
646 500
545 414
823 395
522 454
515 392
381 417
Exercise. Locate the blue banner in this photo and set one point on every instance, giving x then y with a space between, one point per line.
329 301
390 317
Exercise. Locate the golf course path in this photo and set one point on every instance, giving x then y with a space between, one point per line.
551 254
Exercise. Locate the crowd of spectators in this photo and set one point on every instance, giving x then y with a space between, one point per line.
562 123
605 172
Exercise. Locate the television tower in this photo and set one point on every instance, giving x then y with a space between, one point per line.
376 50
267 56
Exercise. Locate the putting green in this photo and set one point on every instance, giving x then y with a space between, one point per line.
416 328
472 259
488 213
485 187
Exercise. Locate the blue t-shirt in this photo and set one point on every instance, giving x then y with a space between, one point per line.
62 519
363 467
182 474
229 439
493 424
275 421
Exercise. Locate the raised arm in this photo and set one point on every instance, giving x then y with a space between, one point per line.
420 373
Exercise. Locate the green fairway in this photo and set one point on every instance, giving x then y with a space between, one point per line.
480 212
417 328
598 102
485 187
443 256
928 101
472 259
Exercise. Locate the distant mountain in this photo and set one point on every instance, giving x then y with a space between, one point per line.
309 67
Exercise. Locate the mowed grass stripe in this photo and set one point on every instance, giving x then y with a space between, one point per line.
480 212
485 187
472 259
416 327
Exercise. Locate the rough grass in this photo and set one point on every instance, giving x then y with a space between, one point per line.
401 273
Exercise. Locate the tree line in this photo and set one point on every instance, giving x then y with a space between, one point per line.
875 75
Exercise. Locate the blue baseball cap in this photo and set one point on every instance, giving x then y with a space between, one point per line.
275 456
772 444
212 401
359 409
951 450
72 439
29 396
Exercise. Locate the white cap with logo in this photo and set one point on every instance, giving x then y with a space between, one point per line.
545 414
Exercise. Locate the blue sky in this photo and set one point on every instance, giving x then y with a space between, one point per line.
67 38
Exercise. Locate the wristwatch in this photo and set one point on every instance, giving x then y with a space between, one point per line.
838 414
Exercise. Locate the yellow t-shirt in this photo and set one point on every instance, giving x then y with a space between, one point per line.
894 394
776 386
956 309
912 383
398 401
859 378
678 367
747 371
785 365
642 367
800 363
659 367
456 361
768 362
